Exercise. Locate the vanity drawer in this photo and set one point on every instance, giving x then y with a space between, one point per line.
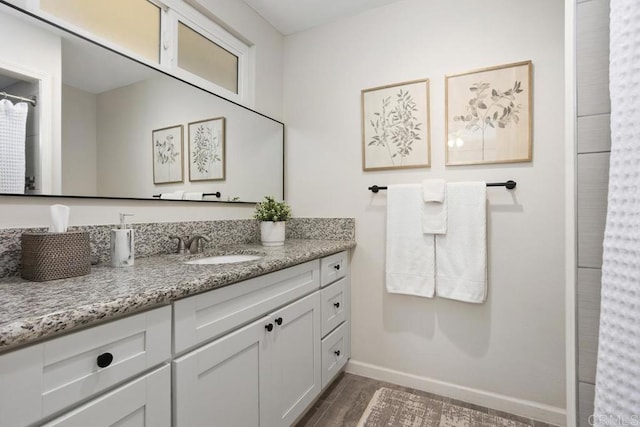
333 267
333 305
335 353
203 317
142 402
45 378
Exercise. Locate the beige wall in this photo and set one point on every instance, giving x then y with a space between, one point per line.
509 351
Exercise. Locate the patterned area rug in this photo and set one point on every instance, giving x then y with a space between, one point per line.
395 408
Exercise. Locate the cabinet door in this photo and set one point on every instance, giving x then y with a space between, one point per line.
145 402
222 383
201 318
295 360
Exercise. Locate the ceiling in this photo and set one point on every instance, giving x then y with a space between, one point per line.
291 16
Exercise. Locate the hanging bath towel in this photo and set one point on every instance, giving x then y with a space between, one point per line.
461 254
13 122
410 252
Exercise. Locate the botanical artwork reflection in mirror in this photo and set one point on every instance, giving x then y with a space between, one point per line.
488 115
207 150
395 126
167 155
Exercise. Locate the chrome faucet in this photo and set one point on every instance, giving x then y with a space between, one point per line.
181 249
195 243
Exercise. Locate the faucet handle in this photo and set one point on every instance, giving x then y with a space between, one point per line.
195 243
181 246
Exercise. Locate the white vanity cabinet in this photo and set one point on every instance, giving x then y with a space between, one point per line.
335 306
269 371
256 353
45 379
263 374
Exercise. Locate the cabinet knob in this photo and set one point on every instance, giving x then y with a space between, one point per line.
336 304
269 327
337 267
337 353
279 321
104 360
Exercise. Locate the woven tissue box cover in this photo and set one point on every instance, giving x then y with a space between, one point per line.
50 256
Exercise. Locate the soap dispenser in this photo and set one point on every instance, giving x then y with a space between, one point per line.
122 244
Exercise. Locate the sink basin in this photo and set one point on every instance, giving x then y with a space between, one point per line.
225 259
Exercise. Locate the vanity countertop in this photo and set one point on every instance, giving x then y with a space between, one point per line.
32 311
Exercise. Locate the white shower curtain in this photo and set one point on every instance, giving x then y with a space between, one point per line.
13 121
617 400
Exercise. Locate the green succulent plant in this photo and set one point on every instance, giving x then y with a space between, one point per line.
270 210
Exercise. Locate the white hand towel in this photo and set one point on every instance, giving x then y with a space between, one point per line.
193 196
461 254
410 252
434 210
176 195
13 124
433 190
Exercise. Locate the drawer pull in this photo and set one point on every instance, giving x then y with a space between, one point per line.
337 267
337 353
336 304
279 321
269 327
104 360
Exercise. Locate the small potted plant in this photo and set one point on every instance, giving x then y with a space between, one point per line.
272 216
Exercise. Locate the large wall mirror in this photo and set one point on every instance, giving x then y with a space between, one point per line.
104 125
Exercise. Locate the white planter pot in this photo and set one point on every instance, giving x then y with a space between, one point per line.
272 233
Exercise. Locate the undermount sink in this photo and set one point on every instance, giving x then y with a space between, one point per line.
225 259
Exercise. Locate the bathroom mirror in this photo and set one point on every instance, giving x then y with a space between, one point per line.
105 125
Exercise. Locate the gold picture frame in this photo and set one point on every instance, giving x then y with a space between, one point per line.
167 154
489 115
396 130
207 149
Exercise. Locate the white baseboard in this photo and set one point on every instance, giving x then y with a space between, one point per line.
524 408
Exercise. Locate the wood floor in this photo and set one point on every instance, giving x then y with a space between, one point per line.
344 402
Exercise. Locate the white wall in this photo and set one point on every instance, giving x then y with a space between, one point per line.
34 212
268 48
79 148
509 350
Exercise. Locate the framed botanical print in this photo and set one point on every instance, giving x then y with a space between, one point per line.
488 117
167 154
207 150
395 126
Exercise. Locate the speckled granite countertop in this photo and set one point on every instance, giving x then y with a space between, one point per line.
31 311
